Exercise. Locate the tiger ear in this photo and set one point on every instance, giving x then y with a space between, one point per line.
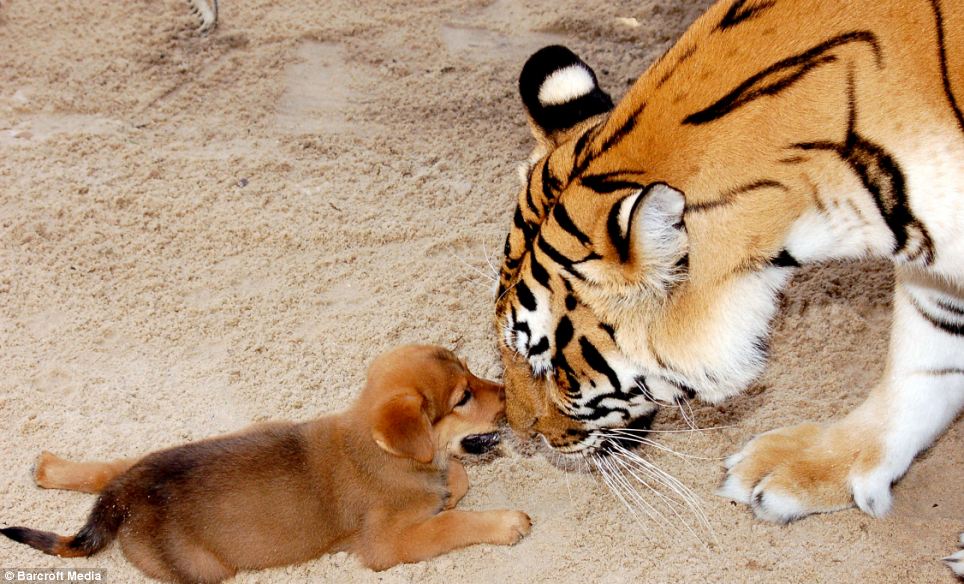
401 427
559 91
647 232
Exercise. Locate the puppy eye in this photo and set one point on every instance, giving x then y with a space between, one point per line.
464 399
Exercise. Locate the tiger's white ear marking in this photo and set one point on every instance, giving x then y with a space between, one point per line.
626 209
565 85
559 92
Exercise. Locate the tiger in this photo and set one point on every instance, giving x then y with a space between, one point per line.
206 12
652 237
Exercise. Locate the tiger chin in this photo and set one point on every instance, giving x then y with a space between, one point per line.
653 237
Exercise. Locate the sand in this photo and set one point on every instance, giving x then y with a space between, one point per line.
200 232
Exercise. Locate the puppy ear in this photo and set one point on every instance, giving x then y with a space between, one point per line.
402 428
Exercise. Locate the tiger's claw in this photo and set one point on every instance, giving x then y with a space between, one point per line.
207 13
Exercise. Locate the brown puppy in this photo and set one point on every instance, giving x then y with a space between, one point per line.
376 480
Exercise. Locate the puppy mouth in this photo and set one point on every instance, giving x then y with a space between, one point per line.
480 443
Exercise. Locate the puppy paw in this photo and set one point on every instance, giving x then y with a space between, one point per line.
956 561
513 526
793 472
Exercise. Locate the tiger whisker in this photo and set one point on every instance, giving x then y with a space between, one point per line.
691 499
670 502
507 290
620 459
478 271
620 480
488 260
648 442
667 479
565 473
683 406
676 431
621 435
691 420
617 489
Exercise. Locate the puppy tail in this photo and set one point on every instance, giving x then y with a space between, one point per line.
101 527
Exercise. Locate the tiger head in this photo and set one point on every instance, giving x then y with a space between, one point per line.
583 250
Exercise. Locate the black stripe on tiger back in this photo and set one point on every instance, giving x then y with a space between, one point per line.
780 76
553 117
739 13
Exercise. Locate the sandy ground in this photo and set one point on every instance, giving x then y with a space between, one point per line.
201 232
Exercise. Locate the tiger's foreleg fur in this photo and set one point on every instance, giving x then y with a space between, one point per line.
792 472
206 12
955 561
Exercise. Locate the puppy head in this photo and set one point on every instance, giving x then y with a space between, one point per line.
423 401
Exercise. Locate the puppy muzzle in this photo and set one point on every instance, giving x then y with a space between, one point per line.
480 443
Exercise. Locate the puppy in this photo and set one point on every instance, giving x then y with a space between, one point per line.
377 480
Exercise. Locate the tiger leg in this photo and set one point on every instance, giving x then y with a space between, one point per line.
792 472
956 561
53 472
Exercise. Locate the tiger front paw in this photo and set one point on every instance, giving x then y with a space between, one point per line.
792 472
956 561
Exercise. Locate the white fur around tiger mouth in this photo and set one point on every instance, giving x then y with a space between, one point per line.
590 443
